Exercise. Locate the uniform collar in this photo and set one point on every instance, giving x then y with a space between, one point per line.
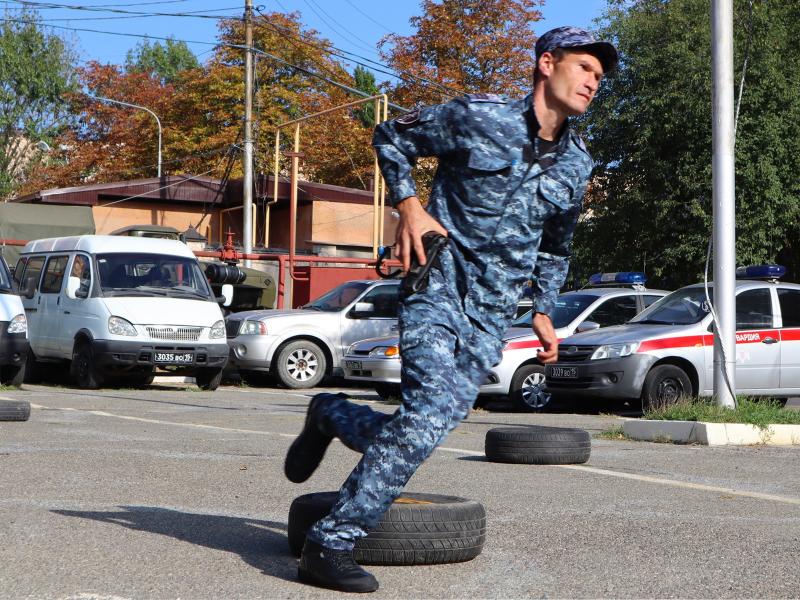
533 125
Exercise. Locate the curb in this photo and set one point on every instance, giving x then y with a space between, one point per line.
712 434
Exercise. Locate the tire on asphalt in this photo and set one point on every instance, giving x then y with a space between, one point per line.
527 389
208 379
665 385
82 368
418 529
14 410
538 445
300 364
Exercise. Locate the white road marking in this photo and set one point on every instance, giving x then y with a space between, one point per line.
593 470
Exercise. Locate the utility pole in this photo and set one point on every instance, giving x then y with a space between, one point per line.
247 200
724 185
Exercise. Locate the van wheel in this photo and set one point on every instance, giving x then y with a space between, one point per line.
665 385
82 369
527 390
208 379
301 364
12 376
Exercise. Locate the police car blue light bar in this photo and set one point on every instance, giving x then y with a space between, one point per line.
623 277
761 272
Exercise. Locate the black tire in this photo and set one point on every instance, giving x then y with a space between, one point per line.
665 385
208 379
418 529
12 375
538 445
527 391
389 391
33 372
300 364
82 369
14 410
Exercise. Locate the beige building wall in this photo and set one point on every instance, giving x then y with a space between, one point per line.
111 217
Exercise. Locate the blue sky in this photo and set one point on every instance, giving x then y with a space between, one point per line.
352 25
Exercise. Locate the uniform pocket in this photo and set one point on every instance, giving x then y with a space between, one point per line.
556 191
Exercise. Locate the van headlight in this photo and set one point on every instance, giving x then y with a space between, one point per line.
385 351
217 330
120 326
614 351
18 324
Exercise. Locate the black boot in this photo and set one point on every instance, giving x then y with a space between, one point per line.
307 450
333 569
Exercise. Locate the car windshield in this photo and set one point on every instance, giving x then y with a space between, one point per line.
338 298
128 274
567 308
5 278
682 307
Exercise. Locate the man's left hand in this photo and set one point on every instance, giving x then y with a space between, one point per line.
543 328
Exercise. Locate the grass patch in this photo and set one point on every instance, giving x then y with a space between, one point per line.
758 412
614 433
8 388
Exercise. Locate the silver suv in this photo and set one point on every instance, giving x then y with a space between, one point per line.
300 346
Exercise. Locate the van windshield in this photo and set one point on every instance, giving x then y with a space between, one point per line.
127 274
5 278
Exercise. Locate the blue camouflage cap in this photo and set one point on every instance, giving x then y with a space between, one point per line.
577 38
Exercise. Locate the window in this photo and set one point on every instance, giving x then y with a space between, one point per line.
648 299
18 270
82 270
754 309
790 307
614 311
54 274
384 298
33 270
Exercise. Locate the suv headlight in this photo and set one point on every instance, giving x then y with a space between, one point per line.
615 350
18 324
217 330
385 351
119 326
253 328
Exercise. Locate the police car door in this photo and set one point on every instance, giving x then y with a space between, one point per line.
757 342
789 301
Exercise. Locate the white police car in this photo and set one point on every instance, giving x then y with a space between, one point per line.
667 351
519 374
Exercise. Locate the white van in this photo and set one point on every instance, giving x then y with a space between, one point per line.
118 307
13 331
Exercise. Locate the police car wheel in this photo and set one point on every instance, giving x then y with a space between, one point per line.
388 391
301 364
665 385
14 410
527 389
417 529
537 445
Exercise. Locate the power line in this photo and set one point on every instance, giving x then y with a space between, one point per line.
199 14
382 26
312 4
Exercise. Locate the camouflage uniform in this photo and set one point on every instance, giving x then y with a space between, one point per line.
510 214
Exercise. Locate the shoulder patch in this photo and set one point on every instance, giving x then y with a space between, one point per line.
408 119
496 98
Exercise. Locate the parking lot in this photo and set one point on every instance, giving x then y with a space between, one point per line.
171 492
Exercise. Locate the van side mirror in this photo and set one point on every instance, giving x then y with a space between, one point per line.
362 310
227 295
587 326
29 289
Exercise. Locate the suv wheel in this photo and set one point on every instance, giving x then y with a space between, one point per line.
665 385
527 389
300 364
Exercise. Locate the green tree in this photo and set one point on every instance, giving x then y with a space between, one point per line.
649 129
365 81
36 70
163 62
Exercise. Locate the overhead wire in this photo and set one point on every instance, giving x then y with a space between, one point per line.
199 14
335 26
381 25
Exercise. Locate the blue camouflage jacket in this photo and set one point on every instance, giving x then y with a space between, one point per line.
509 212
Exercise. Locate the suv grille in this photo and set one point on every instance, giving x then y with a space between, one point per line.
575 353
178 334
232 328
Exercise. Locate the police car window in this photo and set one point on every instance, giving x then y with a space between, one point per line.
54 274
649 299
790 307
682 307
384 299
754 309
566 309
614 311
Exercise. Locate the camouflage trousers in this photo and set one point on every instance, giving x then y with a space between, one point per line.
446 358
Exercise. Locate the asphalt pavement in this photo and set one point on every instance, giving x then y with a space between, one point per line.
171 492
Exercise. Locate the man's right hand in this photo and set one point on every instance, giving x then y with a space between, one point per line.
414 223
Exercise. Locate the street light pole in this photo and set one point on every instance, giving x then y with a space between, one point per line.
724 195
247 183
155 116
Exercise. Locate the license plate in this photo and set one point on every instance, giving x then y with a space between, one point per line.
174 358
564 372
354 365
